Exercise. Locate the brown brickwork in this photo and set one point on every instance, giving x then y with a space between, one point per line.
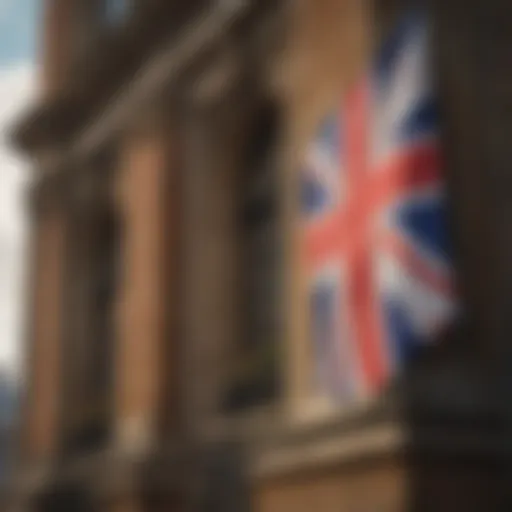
45 358
367 488
180 261
142 308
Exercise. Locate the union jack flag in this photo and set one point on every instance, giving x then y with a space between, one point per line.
376 248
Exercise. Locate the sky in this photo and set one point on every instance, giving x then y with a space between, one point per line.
18 45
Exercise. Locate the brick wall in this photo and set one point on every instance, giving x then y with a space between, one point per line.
144 192
366 488
45 357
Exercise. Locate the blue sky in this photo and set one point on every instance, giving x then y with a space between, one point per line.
18 30
19 24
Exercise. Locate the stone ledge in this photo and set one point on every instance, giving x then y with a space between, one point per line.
335 449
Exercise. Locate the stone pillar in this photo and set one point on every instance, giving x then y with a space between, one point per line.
44 358
145 195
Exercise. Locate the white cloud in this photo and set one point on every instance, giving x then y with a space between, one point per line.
16 91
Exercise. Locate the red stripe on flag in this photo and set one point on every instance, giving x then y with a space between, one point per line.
347 228
356 139
368 330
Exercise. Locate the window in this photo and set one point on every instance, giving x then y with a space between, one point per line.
103 291
95 251
255 379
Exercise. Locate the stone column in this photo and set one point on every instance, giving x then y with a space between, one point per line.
45 349
146 199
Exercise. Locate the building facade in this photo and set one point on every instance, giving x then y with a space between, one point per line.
168 365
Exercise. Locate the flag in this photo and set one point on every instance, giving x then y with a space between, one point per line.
376 248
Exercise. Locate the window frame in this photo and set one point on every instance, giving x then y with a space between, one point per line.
91 201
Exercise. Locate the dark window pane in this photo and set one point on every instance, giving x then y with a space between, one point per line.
256 373
100 267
